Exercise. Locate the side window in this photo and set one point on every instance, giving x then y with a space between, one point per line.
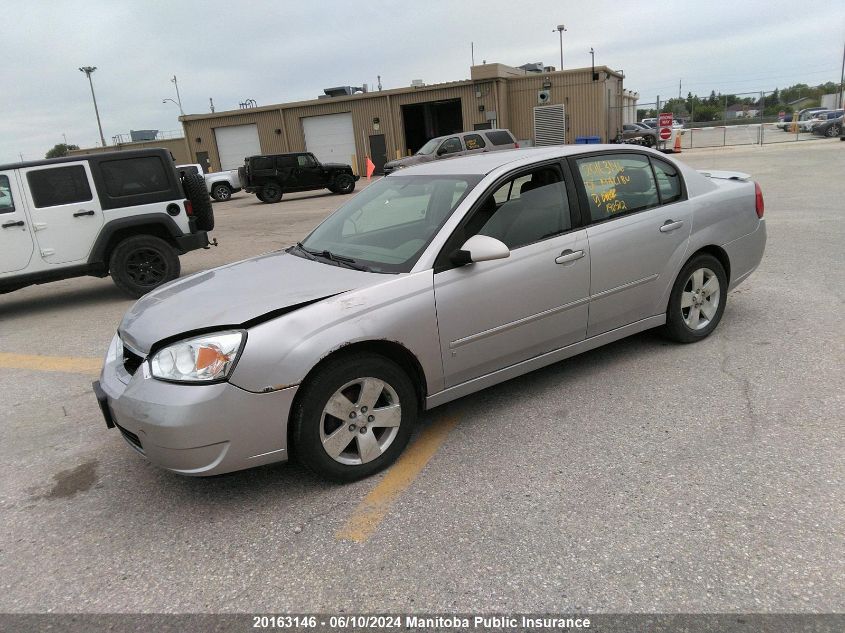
285 162
617 184
305 160
7 205
499 137
133 176
668 181
535 208
262 163
450 146
60 185
474 141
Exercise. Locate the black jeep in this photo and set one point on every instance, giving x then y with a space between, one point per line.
270 176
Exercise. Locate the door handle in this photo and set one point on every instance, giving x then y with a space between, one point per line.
79 214
568 256
671 225
9 225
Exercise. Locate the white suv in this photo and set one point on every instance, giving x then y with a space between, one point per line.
127 214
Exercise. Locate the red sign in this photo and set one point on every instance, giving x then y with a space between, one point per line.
664 124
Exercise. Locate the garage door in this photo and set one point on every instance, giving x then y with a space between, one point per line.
330 137
235 143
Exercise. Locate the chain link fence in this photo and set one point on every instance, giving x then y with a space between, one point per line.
750 118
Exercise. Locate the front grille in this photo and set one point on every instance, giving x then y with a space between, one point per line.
131 361
130 437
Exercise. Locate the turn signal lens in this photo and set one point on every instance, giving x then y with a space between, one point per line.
202 359
758 196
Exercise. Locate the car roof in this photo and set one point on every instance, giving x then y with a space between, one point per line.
453 134
97 156
483 164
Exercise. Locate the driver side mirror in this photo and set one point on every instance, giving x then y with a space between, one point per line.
480 248
441 150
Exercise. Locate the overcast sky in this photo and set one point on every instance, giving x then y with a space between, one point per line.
285 51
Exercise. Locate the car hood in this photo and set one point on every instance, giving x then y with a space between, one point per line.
416 159
238 294
336 166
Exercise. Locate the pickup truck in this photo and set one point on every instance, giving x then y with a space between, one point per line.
220 184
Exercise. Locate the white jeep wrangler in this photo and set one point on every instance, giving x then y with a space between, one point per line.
126 214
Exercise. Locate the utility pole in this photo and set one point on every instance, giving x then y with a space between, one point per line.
679 89
560 29
472 52
88 70
211 104
842 79
178 98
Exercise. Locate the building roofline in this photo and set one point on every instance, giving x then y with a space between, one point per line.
390 92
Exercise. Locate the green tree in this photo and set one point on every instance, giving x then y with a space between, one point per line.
60 150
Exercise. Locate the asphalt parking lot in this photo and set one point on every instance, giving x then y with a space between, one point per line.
640 477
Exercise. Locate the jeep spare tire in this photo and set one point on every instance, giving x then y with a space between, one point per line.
197 193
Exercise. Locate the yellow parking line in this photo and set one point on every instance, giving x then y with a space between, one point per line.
66 364
370 512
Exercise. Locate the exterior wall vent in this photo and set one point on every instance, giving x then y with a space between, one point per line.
549 125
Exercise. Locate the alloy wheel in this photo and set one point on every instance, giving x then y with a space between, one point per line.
360 421
146 267
700 299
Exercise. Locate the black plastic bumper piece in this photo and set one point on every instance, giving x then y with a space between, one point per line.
103 401
192 241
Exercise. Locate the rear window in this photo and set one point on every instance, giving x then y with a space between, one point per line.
134 176
189 170
58 186
499 137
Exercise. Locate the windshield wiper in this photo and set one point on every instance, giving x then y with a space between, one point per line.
340 260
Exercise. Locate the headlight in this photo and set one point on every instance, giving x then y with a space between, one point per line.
115 350
202 359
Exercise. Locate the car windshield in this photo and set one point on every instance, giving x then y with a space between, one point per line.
429 147
386 227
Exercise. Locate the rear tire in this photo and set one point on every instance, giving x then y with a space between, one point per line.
197 193
142 263
697 301
833 130
270 193
354 417
221 192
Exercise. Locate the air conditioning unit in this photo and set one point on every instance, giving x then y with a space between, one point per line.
543 97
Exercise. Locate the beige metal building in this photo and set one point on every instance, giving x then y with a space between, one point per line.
177 147
542 108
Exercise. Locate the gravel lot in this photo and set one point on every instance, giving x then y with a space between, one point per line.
640 477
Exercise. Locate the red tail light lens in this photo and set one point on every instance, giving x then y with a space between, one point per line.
516 145
189 207
758 197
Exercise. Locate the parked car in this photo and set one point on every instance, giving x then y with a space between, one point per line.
806 125
269 176
126 214
220 184
453 145
802 115
637 133
432 283
652 122
830 128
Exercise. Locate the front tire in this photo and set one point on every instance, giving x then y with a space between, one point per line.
343 184
833 130
221 192
142 263
698 300
354 417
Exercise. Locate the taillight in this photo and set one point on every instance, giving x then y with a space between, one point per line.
516 145
758 198
189 207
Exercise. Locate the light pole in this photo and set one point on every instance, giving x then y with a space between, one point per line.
593 63
173 101
88 70
178 98
560 29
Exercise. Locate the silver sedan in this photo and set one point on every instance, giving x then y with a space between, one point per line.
432 283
